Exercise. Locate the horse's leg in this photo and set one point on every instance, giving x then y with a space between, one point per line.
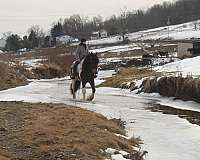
73 88
83 90
91 97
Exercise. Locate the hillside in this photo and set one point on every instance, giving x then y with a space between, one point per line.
176 32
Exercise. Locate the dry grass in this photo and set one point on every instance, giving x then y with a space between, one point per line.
47 71
47 131
179 87
126 75
10 76
59 60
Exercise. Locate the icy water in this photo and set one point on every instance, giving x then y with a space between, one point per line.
165 136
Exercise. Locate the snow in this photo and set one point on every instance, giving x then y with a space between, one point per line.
32 62
165 137
176 32
118 157
115 156
122 136
187 66
162 61
119 48
1 51
109 40
110 151
125 49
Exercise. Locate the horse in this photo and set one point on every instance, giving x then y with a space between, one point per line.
86 71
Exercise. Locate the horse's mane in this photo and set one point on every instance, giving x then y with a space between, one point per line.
87 65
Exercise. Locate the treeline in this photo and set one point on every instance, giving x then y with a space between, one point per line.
35 38
127 21
130 21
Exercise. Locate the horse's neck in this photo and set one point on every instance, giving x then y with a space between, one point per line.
84 65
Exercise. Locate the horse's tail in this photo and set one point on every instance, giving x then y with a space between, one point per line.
75 86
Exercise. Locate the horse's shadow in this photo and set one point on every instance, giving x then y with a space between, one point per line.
82 101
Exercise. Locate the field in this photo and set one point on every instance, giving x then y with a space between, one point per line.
49 131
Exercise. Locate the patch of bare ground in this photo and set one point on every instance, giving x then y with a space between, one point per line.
58 132
125 75
191 116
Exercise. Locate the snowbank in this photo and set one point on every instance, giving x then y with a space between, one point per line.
188 66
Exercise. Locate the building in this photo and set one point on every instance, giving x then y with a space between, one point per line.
188 48
65 39
100 34
2 43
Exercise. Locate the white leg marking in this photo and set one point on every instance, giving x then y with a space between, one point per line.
84 92
91 97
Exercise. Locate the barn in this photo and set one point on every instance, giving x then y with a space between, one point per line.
189 48
2 43
100 34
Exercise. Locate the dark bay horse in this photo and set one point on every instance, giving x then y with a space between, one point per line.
86 71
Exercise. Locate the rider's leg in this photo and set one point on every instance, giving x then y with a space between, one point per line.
73 69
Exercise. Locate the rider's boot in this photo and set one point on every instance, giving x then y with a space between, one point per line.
72 74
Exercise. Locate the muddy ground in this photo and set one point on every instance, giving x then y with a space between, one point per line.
57 132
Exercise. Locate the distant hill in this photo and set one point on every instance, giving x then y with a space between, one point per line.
189 30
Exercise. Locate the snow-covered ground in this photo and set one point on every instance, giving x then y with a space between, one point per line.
166 137
32 62
120 48
188 66
176 32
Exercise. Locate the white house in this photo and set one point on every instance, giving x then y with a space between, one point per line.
100 34
2 43
103 34
64 39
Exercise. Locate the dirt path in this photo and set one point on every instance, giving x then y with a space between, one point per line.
57 132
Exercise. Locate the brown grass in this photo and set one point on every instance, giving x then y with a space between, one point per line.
47 131
47 71
10 76
179 87
126 75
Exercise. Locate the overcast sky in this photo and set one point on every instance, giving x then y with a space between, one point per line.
18 15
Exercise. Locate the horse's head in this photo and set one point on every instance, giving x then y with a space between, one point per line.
94 61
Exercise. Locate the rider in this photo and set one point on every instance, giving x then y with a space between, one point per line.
81 52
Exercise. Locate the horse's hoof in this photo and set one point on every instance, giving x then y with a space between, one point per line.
90 98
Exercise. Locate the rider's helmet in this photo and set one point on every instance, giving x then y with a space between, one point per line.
83 40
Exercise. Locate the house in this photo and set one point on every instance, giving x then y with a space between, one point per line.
189 48
2 43
100 34
65 39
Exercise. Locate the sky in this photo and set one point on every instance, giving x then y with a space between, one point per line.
18 15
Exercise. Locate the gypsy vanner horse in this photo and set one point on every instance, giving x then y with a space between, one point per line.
85 72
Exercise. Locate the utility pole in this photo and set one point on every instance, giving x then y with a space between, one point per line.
168 23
